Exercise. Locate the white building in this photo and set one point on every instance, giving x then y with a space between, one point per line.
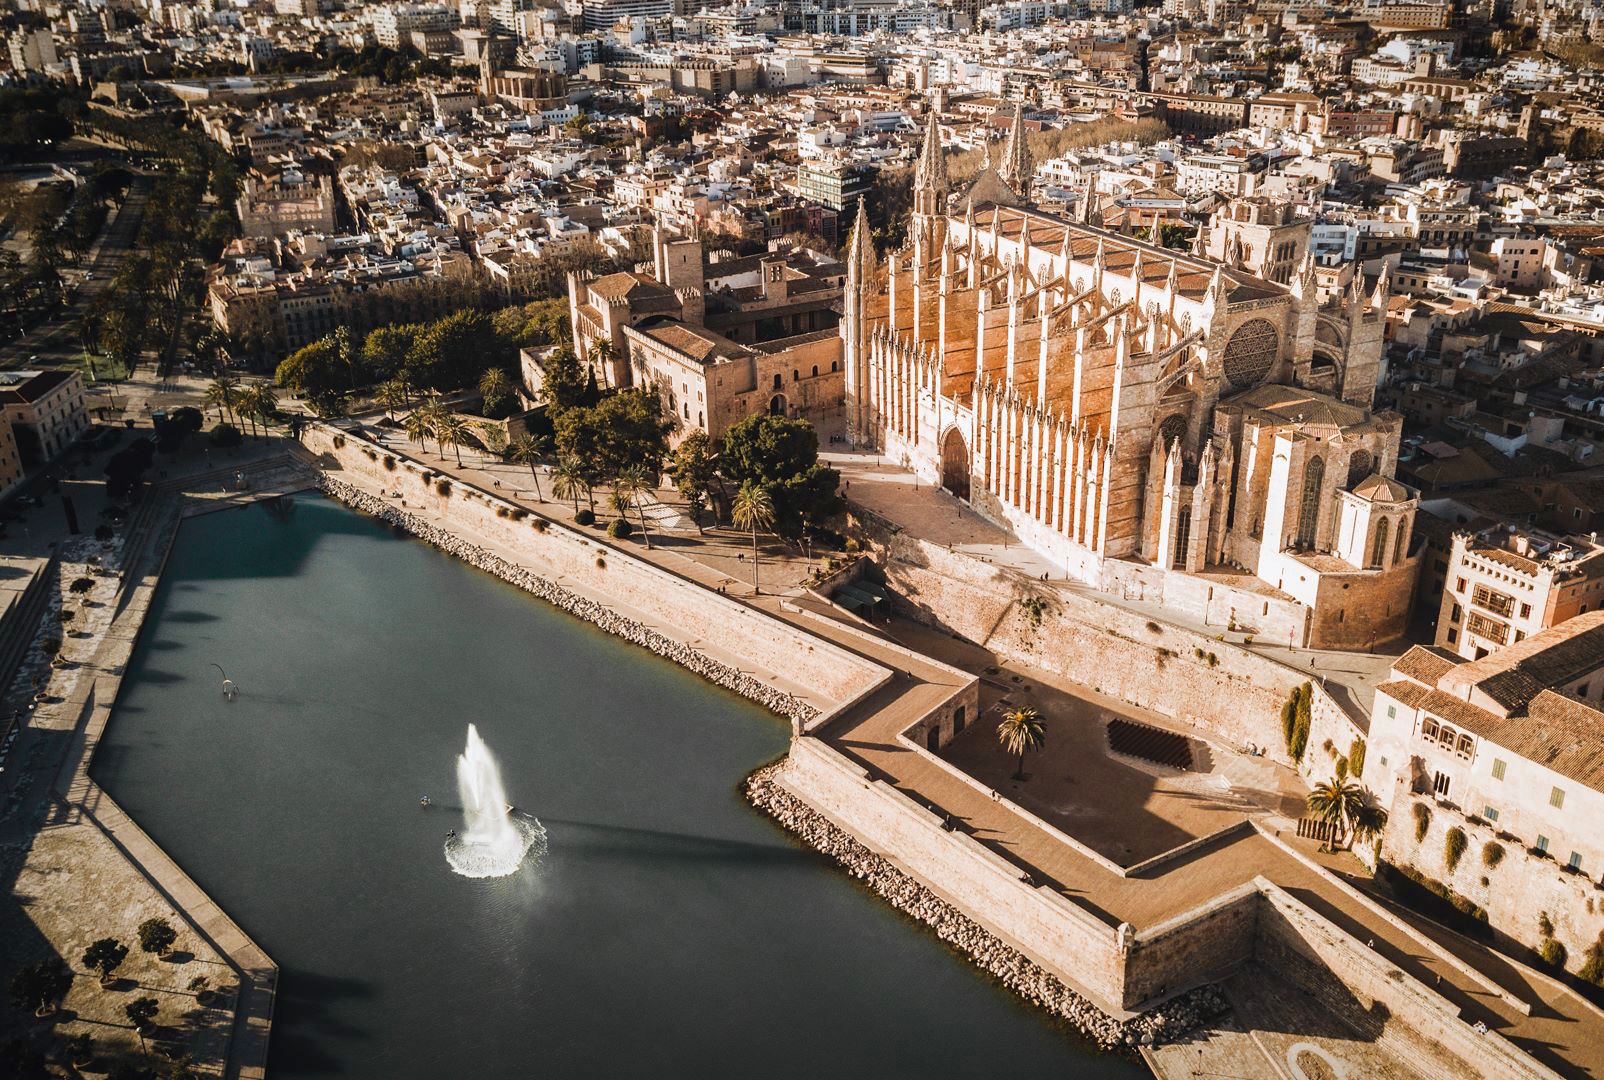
1515 739
1505 585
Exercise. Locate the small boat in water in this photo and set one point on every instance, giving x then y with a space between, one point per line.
424 802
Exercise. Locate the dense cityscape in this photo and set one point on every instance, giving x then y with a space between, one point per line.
1086 513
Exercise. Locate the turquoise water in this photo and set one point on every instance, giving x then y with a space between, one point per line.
670 931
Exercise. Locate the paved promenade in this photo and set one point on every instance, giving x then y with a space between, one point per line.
78 868
1562 1031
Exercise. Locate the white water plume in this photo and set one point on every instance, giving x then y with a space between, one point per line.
495 838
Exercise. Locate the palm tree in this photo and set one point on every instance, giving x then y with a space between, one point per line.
452 429
568 482
222 393
256 402
633 485
495 386
434 414
1339 802
528 449
392 395
245 405
417 426
265 403
753 509
1020 731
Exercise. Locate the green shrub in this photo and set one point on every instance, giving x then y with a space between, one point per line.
1453 847
585 517
225 435
1552 953
1592 968
1492 853
501 511
1356 759
1545 925
619 528
389 462
1422 820
1302 721
443 487
1289 719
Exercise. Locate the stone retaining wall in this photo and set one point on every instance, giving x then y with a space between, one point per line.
1232 694
583 563
1007 964
777 701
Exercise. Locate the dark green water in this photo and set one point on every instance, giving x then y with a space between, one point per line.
671 931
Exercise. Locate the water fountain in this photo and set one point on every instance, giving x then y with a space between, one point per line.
495 838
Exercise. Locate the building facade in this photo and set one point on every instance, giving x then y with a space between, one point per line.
1504 585
1136 414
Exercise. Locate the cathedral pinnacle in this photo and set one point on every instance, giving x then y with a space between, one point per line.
931 173
1016 167
860 257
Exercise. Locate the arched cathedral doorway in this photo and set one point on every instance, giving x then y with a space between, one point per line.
955 464
777 405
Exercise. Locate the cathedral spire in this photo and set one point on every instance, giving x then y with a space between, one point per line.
1378 299
860 257
930 175
1016 167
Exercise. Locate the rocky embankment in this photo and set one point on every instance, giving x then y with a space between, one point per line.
1012 968
777 701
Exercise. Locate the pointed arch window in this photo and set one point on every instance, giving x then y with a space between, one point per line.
1309 518
1378 553
1398 551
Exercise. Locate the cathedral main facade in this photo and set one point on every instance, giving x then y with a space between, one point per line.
1163 425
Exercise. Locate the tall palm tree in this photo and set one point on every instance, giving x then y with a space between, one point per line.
266 403
1020 731
222 393
392 395
434 414
245 405
1339 802
257 402
568 482
417 426
634 485
528 449
494 385
452 429
753 509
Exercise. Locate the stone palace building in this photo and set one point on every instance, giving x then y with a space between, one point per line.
1162 425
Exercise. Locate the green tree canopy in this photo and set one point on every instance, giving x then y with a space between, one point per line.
622 431
313 370
451 351
384 353
782 455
